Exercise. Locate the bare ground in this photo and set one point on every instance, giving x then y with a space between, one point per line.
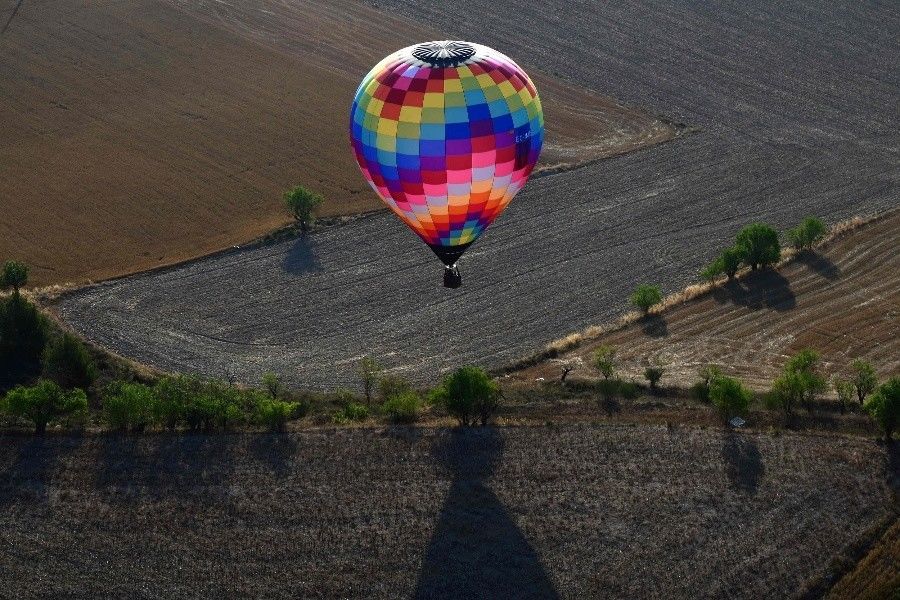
843 301
570 510
140 134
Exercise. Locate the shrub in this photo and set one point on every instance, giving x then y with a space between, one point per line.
864 379
392 385
23 336
729 395
645 296
129 406
272 413
14 275
212 406
356 412
605 361
799 382
845 391
806 234
403 407
67 362
884 406
173 395
45 402
303 203
468 394
653 375
368 373
272 384
759 245
728 263
707 373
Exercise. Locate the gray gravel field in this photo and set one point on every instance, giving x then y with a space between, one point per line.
797 107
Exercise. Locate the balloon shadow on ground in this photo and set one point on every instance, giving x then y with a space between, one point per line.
743 462
820 264
30 472
477 551
654 326
763 289
302 258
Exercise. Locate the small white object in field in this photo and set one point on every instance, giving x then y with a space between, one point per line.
539 379
737 422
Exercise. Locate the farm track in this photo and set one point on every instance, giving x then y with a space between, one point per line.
843 302
797 110
575 510
140 134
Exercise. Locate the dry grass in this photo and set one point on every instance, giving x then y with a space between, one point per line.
877 575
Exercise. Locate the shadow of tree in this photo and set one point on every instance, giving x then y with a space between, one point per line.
160 466
610 406
654 326
276 450
764 289
820 264
302 258
477 550
31 469
743 462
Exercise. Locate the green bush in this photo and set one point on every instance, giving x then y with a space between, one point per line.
271 382
67 362
845 391
14 275
729 395
44 403
759 245
403 407
700 390
805 235
274 414
302 203
356 412
605 361
884 406
390 385
468 394
645 296
23 336
653 375
173 394
799 382
864 379
369 369
129 406
728 263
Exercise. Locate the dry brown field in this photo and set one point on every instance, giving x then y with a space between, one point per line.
140 134
842 300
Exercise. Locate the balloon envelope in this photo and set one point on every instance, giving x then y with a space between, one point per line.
447 133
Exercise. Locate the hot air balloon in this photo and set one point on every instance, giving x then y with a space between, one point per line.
447 133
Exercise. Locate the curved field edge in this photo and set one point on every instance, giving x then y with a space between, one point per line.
577 509
855 252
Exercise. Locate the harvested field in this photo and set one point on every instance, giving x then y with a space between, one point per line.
139 134
843 301
877 575
796 120
575 511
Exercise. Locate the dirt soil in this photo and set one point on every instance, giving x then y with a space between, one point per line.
568 511
843 301
795 121
138 134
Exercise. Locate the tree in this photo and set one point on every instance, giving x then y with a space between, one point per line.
864 379
45 402
403 407
468 394
369 369
759 244
653 375
645 296
707 374
605 361
67 362
23 335
14 275
845 391
800 382
728 263
274 414
303 203
128 405
272 384
884 406
805 235
729 395
390 385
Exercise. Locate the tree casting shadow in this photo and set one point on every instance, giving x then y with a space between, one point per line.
302 258
477 550
743 462
764 289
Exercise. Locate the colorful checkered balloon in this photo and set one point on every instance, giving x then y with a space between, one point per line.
447 133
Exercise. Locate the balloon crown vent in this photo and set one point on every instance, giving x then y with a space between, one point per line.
444 54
